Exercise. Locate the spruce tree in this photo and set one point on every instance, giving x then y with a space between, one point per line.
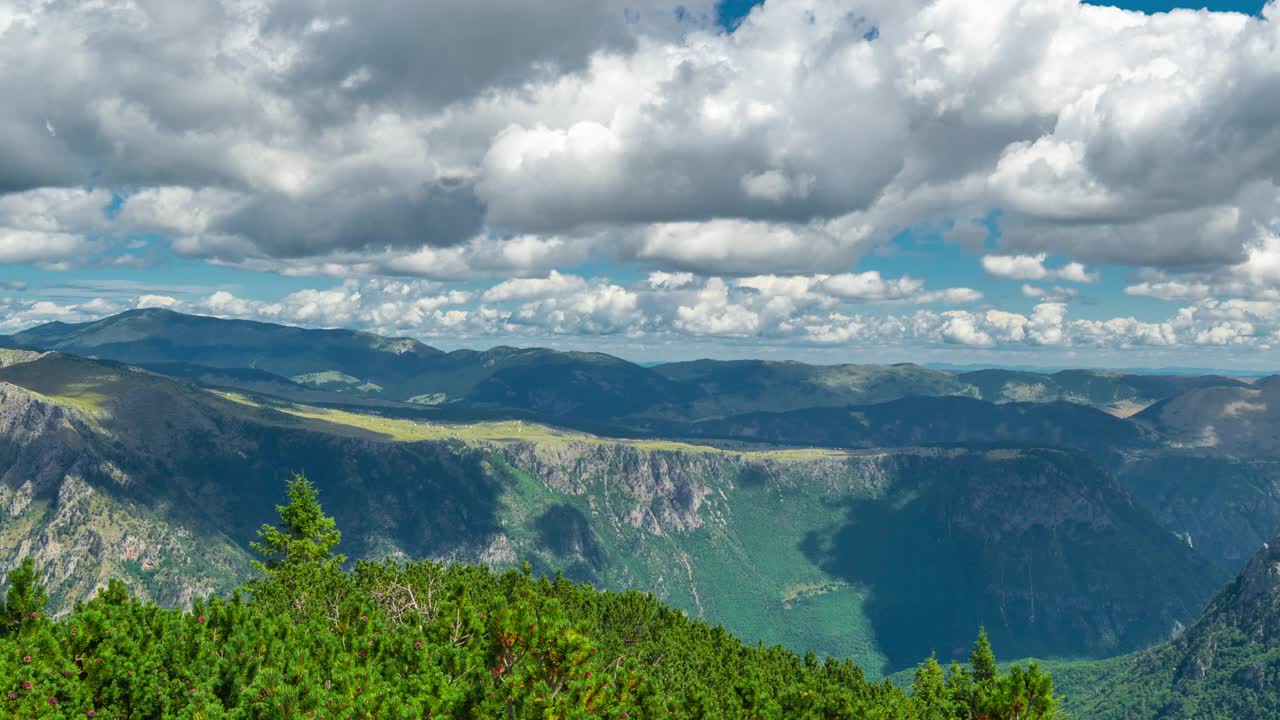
25 598
983 660
929 692
305 535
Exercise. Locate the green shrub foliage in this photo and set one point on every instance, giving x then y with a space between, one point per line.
396 641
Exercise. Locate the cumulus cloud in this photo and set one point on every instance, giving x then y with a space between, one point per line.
156 301
599 309
671 281
553 285
1052 294
743 176
1257 277
47 249
769 308
1032 267
323 132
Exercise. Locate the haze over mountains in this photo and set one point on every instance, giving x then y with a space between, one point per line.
878 512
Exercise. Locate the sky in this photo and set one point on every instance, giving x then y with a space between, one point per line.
1013 182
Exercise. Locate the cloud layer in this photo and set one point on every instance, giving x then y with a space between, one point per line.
797 311
412 143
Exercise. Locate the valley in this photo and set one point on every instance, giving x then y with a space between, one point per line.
882 518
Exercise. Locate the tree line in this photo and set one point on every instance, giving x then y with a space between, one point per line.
310 638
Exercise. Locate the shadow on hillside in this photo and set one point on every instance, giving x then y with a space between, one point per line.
566 532
755 475
419 499
1037 546
925 594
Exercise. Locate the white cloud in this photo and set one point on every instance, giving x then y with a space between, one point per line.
1171 290
49 249
1075 272
950 296
156 301
745 247
769 161
791 146
1053 294
770 308
671 281
963 329
554 285
600 309
1032 267
870 286
712 313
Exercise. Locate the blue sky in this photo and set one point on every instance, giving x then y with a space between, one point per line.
961 187
730 12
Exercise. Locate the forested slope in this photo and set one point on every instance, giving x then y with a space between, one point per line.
422 640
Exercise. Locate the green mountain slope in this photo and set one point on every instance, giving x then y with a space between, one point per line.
935 420
585 386
1226 507
1122 393
740 386
820 549
335 360
1226 666
1229 421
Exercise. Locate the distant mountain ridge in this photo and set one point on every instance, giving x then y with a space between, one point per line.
944 420
1241 421
590 386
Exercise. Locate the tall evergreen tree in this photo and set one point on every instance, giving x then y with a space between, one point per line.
25 598
983 660
304 536
929 692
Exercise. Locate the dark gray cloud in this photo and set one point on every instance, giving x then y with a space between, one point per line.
357 218
409 53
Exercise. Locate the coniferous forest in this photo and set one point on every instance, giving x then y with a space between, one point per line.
310 638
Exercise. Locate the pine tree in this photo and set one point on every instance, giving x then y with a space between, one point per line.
960 688
929 692
25 598
305 534
983 660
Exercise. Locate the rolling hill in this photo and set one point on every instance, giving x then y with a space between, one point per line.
934 421
1232 421
1120 393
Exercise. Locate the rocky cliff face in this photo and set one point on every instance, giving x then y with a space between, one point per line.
677 491
1224 665
1250 604
67 504
1225 507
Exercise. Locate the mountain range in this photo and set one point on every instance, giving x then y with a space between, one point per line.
878 512
569 385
